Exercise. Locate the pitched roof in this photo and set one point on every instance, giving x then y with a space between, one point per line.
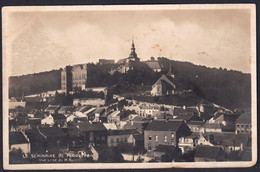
13 99
244 118
139 118
110 126
212 125
153 64
164 125
115 113
33 99
33 134
230 138
66 108
100 110
17 137
52 107
200 123
189 116
82 109
58 116
95 126
122 132
210 152
165 148
51 131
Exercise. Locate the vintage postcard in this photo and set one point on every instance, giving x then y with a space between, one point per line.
130 86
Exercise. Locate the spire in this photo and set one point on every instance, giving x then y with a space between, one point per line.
133 55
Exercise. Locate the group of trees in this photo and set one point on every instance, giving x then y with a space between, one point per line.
231 89
34 83
101 75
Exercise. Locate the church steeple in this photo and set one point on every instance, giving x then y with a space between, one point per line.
133 55
133 47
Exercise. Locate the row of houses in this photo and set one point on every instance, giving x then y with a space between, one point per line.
180 130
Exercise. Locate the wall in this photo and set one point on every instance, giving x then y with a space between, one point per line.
93 102
160 135
122 138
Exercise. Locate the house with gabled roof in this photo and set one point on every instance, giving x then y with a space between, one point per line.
164 132
154 65
217 127
115 137
55 138
52 109
209 153
243 123
35 113
166 85
95 133
165 153
65 110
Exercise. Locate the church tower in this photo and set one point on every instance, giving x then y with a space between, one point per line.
133 55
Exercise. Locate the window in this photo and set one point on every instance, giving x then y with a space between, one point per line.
156 138
172 135
165 138
112 140
91 136
172 142
150 138
117 140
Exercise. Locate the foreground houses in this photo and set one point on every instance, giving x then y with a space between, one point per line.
18 140
243 123
164 133
120 136
209 153
165 153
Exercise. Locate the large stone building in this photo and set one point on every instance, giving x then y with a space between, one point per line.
73 76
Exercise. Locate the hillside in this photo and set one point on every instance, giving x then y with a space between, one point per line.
231 89
34 83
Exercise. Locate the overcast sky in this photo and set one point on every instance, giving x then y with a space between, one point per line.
42 41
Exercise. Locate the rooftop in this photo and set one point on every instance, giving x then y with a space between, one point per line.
153 64
17 137
58 116
244 118
52 107
171 125
210 152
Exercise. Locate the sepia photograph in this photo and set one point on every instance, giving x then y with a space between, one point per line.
129 86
